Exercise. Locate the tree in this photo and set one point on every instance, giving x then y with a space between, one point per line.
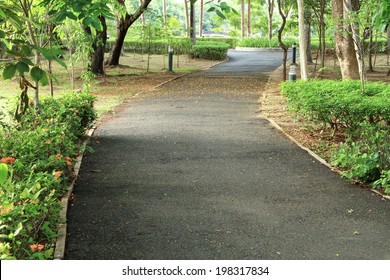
242 18
249 19
284 7
201 18
270 7
302 41
192 21
124 21
344 42
187 18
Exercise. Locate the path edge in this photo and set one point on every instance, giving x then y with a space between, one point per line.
59 250
313 154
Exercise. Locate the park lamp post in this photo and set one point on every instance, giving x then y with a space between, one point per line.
170 59
292 75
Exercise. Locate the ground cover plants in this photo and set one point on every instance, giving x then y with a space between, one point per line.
37 158
362 120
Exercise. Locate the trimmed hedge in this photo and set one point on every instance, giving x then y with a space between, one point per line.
209 50
364 119
180 45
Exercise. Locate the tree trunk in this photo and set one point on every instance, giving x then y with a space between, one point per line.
281 44
99 45
123 24
164 11
388 44
143 15
242 18
302 41
308 42
271 4
351 7
344 43
249 18
192 23
187 18
201 18
322 33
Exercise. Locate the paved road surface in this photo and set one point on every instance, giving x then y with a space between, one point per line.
191 172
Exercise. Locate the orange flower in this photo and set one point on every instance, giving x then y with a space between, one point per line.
8 160
58 156
37 247
57 174
68 161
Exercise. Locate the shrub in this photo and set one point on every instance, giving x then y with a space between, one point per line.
264 42
209 50
37 158
365 120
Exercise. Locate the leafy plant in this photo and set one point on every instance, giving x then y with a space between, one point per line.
37 157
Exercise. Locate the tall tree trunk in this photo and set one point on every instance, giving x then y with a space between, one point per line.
281 44
143 15
322 33
308 42
351 7
270 5
249 18
388 44
99 45
200 18
192 22
302 41
164 10
123 24
187 18
242 18
344 43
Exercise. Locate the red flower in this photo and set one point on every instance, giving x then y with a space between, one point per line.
8 160
57 174
36 247
68 161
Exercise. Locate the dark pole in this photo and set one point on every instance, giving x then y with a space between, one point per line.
292 76
294 54
170 59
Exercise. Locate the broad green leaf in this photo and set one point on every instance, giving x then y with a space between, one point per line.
27 61
25 194
97 25
9 71
3 173
220 14
26 50
87 21
52 12
22 67
2 34
45 79
36 73
212 9
71 15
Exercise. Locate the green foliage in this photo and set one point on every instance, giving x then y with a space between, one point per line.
367 157
209 50
339 104
37 157
263 42
364 119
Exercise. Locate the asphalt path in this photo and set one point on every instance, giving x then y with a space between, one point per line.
192 172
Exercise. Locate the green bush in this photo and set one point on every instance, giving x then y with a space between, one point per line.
364 119
264 42
209 50
37 158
